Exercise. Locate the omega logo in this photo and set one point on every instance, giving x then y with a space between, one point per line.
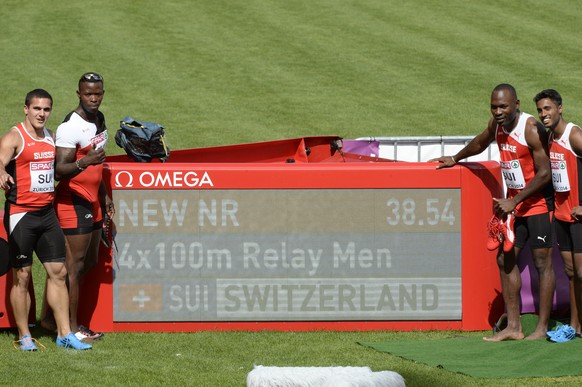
162 179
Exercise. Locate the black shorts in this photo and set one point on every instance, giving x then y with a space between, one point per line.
536 228
568 236
35 231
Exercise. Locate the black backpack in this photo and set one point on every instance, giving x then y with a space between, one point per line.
142 141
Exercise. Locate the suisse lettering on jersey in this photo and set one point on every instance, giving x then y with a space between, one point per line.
508 147
44 155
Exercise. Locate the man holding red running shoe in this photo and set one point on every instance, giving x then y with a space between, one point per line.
525 164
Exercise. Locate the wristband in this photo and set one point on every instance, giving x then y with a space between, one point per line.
454 161
79 165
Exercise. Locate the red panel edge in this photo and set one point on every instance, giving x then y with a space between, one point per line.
479 182
301 326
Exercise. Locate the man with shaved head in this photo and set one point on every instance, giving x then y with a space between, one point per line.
526 209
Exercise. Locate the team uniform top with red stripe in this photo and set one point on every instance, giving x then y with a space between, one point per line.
33 171
517 166
566 175
77 133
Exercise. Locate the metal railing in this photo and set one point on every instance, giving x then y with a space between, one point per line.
424 148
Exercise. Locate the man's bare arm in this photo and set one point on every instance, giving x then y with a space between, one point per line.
67 166
576 144
9 145
477 145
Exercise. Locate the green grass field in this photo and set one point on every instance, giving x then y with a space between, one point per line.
222 72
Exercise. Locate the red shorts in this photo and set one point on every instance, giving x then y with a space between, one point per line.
77 215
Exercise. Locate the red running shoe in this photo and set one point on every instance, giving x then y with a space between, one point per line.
508 233
495 231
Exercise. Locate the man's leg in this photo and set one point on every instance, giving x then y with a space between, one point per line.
58 300
542 259
576 309
47 320
510 286
20 298
57 295
80 259
93 251
568 260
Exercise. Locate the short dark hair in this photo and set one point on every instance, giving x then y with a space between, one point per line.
507 87
37 93
551 94
90 77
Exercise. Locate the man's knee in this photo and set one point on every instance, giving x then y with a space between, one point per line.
22 276
76 267
56 271
542 258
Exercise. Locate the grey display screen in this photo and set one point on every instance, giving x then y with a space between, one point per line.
287 255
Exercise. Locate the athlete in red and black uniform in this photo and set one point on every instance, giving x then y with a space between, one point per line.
27 155
565 144
525 165
81 193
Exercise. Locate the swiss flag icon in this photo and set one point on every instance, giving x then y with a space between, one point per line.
140 297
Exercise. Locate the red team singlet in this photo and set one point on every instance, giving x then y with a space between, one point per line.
29 216
33 172
517 166
566 179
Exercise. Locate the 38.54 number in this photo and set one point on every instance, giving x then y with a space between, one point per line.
407 213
